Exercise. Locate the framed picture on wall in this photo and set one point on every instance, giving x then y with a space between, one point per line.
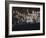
24 18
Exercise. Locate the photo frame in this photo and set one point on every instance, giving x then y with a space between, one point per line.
30 18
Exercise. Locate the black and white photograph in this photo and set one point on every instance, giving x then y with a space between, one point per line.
25 18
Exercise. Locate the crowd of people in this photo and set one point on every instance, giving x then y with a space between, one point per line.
33 17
